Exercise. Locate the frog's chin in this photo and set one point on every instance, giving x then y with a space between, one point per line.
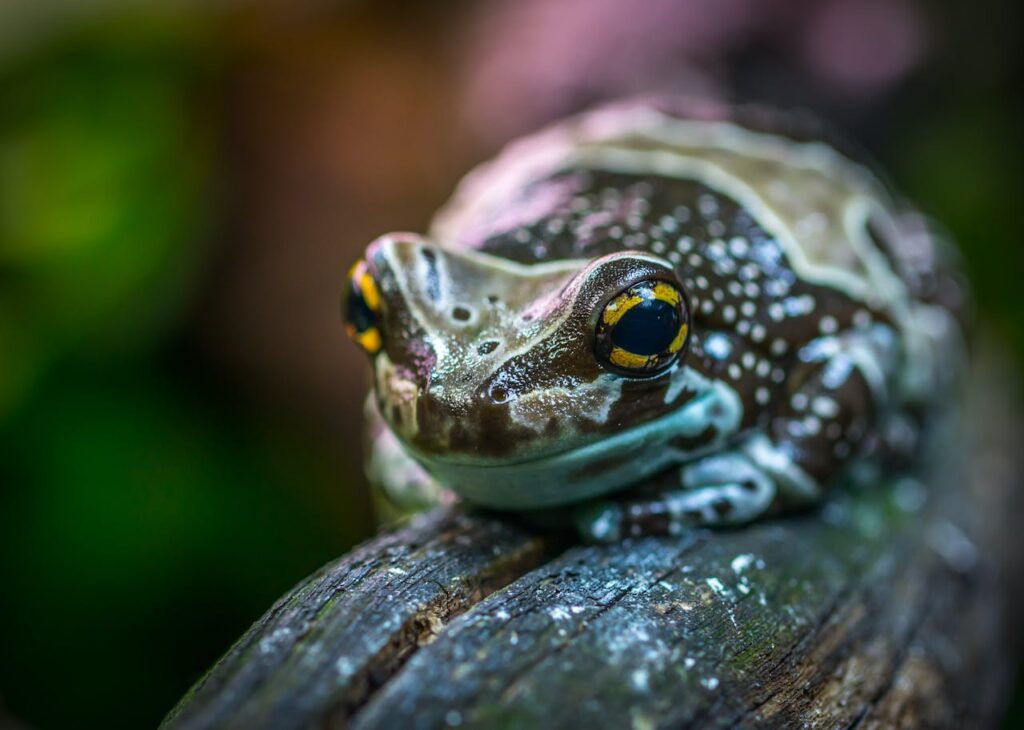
704 424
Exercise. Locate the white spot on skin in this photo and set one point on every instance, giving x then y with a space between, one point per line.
827 325
824 406
707 205
738 247
796 306
729 313
710 682
718 346
734 372
762 396
779 346
758 333
862 318
748 309
749 272
798 401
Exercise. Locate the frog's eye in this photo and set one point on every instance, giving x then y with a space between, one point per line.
643 329
362 305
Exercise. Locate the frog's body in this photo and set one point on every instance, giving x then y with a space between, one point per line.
813 312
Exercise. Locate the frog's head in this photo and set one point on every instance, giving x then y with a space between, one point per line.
482 362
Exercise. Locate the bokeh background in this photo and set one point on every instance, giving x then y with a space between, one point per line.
183 186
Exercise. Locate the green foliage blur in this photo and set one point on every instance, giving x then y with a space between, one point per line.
149 510
177 446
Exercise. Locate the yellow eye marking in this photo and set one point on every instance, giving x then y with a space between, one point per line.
365 284
364 288
369 340
625 359
618 306
677 343
666 293
370 294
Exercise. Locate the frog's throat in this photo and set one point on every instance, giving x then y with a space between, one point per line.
712 419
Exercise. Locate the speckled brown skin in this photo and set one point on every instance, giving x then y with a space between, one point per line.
818 310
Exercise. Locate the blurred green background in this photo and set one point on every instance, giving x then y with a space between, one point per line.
182 187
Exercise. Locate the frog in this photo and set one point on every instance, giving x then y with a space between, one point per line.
721 301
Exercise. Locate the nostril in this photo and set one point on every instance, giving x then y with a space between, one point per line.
488 347
461 314
498 393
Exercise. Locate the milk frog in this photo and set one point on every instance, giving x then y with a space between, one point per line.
716 303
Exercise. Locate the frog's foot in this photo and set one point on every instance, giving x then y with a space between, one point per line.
730 488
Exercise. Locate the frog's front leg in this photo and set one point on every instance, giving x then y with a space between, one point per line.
721 489
403 485
817 425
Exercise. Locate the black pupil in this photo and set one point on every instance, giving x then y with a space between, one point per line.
359 314
648 328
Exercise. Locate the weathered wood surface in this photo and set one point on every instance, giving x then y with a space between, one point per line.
889 608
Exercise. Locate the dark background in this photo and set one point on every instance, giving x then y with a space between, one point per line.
182 189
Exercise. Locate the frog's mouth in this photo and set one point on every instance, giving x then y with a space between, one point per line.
704 424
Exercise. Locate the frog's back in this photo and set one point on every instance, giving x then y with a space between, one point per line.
836 222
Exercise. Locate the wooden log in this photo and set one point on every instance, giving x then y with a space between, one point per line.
890 607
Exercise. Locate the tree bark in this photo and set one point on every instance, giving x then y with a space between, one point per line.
889 607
